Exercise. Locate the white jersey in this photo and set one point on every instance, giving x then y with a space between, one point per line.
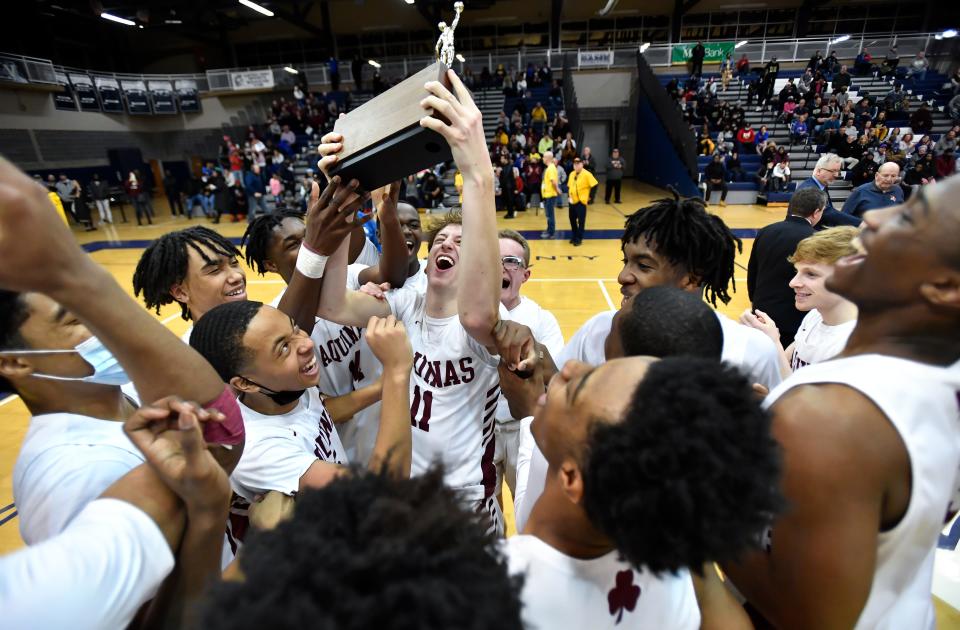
369 255
65 462
97 573
746 348
816 342
545 330
921 402
453 395
280 448
418 281
531 475
562 592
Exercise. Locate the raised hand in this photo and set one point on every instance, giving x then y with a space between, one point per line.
388 339
330 145
464 131
37 250
517 347
762 322
521 393
168 434
330 216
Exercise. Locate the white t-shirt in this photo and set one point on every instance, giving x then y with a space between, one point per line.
531 475
563 592
745 347
280 448
816 342
453 396
545 329
65 462
418 281
97 573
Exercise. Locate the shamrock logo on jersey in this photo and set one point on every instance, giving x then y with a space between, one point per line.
624 595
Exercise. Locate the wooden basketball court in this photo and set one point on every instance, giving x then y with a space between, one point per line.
574 283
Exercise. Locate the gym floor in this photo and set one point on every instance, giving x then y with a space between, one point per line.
574 283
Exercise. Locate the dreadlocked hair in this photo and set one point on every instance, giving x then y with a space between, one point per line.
165 263
218 336
682 231
256 240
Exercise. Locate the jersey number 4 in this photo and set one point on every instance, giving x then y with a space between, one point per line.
421 405
355 372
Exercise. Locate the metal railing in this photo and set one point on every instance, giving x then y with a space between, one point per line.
42 71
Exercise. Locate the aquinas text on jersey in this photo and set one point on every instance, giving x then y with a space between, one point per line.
338 348
439 374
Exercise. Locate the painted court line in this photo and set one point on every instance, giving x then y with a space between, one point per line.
606 295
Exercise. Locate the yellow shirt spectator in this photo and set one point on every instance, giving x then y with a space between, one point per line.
58 205
503 138
538 114
458 184
547 188
580 185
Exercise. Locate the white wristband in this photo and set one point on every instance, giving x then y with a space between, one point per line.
310 264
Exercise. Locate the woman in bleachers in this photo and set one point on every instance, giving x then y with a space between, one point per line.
763 137
735 168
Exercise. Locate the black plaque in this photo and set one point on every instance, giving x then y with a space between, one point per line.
63 99
187 95
111 100
85 92
161 93
136 96
383 140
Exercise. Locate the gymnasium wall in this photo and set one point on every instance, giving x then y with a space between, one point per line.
35 135
602 89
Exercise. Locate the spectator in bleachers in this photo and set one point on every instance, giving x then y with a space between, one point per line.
865 110
735 171
764 174
589 162
533 177
615 167
725 139
922 173
947 142
865 170
508 188
743 65
826 172
890 63
815 63
831 64
726 70
705 144
100 193
780 178
545 144
762 137
276 187
746 139
841 80
556 93
827 131
431 190
715 176
697 55
842 97
954 84
921 121
862 64
769 271
850 151
883 191
538 117
946 164
953 108
805 84
896 99
799 133
918 68
568 149
550 193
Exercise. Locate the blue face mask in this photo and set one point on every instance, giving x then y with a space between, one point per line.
106 369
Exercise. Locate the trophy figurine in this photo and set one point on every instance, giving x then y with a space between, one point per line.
382 139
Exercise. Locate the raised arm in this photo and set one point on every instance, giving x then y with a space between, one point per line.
391 452
337 304
393 259
328 223
478 293
39 253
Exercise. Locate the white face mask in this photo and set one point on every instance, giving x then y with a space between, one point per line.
106 369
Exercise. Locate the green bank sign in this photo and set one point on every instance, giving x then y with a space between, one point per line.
715 52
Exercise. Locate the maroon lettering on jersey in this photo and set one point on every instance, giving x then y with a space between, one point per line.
624 595
355 372
324 449
324 357
238 522
466 369
451 378
424 410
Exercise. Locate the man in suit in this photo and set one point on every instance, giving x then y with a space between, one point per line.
769 272
824 173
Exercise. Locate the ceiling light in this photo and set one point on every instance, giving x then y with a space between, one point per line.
644 46
118 20
949 33
938 36
842 38
173 21
410 1
290 70
741 43
460 58
373 63
256 7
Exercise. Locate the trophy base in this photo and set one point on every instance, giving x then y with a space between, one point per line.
383 140
394 158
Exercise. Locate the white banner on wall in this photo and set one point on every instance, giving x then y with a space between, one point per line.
594 58
251 80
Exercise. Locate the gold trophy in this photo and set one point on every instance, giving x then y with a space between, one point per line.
382 139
